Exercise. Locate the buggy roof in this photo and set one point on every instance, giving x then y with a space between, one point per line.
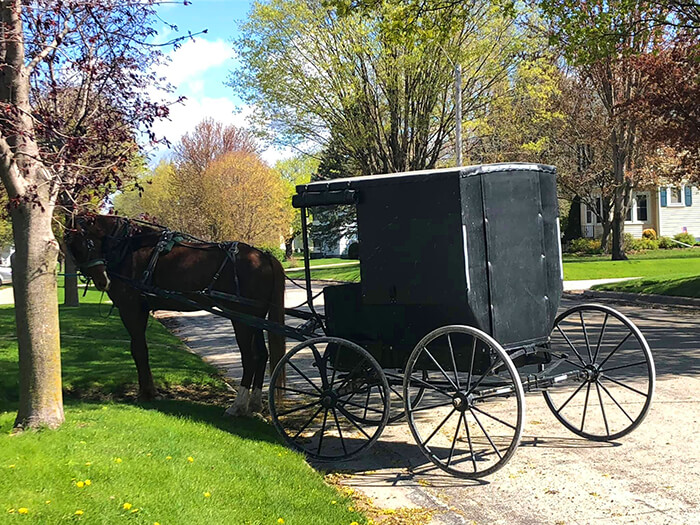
415 176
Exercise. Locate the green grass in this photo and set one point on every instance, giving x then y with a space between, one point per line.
681 286
251 477
299 262
350 274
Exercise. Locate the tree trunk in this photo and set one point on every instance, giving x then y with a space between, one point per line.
70 283
36 314
607 226
288 248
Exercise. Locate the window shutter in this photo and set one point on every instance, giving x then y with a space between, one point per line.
662 191
688 195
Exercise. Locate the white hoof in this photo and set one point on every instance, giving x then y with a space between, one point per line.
240 405
255 404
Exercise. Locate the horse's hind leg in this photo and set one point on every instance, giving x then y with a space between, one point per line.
135 319
261 361
244 337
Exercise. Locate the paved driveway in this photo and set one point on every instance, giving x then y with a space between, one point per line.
649 476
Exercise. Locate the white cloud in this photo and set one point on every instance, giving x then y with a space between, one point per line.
194 58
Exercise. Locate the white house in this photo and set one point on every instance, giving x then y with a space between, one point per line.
667 209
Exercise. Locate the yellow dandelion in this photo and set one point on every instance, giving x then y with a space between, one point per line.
190 459
47 501
149 455
78 512
168 457
134 510
156 523
333 502
280 521
88 463
104 408
80 484
88 482
11 466
207 494
118 460
83 443
354 523
126 506
23 510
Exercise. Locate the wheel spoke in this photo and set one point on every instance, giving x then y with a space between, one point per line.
308 423
602 409
600 337
570 397
469 439
471 364
302 374
494 418
639 363
296 391
340 432
400 396
614 350
430 386
350 375
486 434
615 401
454 440
297 409
442 371
490 369
323 432
429 407
624 385
366 407
571 345
439 426
350 418
585 336
585 406
369 392
320 361
454 364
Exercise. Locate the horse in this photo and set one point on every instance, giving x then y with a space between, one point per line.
127 259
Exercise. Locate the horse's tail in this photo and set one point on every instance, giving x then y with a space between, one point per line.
276 315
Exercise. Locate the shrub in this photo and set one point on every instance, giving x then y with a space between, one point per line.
354 250
685 238
582 245
645 244
649 233
275 251
666 243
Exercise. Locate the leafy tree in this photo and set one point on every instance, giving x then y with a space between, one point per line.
91 55
295 171
315 74
600 39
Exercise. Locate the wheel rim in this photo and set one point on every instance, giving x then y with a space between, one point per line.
616 371
470 417
335 401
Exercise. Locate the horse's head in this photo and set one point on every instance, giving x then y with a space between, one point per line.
86 241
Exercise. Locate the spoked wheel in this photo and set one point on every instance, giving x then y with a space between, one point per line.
616 369
470 418
335 402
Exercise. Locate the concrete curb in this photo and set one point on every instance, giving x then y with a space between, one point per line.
636 298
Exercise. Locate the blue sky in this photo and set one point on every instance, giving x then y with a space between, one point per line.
200 67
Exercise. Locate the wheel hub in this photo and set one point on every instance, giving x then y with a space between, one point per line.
592 373
462 402
329 400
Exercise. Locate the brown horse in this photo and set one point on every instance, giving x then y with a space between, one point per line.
126 258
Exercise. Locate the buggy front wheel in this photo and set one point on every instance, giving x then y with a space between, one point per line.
334 403
470 417
616 370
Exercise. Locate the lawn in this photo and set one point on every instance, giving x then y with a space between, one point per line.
682 286
176 460
298 262
668 263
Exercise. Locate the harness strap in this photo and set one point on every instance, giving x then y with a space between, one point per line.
165 239
231 254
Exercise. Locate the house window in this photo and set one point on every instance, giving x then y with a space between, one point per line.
591 217
642 207
676 195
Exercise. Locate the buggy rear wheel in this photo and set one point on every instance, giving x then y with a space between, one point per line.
335 401
617 370
470 418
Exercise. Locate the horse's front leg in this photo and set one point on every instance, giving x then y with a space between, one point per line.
244 337
135 319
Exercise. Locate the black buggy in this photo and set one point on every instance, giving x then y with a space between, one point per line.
454 320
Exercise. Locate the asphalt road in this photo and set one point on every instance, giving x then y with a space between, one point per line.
650 476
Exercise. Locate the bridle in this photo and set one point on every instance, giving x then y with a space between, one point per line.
97 261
